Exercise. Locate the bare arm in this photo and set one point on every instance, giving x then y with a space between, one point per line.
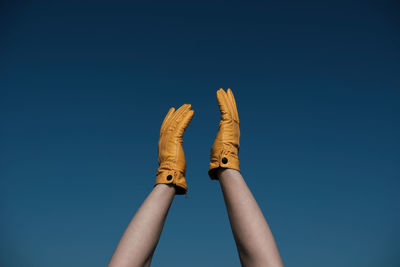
140 239
254 240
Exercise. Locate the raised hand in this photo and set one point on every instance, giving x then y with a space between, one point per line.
224 152
171 157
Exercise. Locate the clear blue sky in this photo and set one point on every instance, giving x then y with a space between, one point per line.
84 88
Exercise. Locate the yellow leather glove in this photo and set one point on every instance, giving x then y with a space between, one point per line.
224 152
171 157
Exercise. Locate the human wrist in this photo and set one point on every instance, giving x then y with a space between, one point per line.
223 172
167 188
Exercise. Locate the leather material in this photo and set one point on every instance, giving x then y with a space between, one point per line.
224 152
171 157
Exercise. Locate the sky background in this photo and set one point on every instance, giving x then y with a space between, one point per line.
85 85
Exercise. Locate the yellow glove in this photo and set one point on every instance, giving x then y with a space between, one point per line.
171 157
224 152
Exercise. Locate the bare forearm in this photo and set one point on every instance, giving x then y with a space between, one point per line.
140 239
254 240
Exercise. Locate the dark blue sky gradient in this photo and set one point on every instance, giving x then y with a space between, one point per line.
84 88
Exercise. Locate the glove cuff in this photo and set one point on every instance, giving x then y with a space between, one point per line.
177 178
226 160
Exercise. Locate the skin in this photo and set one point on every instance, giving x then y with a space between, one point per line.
140 239
253 237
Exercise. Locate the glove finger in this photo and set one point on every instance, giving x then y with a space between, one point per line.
166 120
187 117
234 106
228 104
223 107
177 116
